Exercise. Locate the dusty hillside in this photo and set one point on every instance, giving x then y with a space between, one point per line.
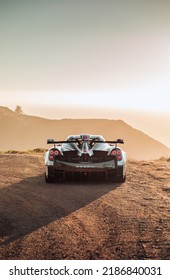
83 219
22 132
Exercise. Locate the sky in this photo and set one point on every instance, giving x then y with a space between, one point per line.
93 58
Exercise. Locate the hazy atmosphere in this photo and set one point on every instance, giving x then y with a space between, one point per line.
72 70
88 59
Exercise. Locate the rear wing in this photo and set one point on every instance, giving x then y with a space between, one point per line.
52 141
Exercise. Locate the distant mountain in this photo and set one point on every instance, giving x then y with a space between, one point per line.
23 132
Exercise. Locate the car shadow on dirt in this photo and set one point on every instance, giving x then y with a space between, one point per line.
32 204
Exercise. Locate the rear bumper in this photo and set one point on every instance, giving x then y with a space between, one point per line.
61 171
85 166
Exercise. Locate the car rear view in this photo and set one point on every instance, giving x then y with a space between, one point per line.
85 155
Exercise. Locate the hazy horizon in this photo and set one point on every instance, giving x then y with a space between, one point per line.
104 59
149 123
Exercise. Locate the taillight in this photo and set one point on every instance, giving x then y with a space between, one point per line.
51 158
56 152
53 153
117 153
113 153
119 157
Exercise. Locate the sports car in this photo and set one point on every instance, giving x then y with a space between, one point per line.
85 155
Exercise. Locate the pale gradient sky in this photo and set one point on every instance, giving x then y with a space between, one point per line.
103 56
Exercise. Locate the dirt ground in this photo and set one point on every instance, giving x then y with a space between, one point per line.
83 219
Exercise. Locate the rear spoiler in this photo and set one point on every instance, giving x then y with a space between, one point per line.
52 141
118 141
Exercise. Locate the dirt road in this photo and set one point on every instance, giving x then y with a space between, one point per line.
83 220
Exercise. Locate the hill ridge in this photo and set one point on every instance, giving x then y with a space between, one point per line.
22 132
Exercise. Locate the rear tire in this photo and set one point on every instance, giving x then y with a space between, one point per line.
49 179
116 178
121 179
121 176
